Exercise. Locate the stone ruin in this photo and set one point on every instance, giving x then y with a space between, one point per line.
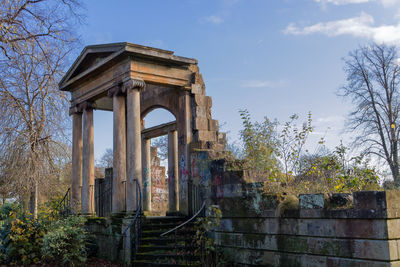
131 80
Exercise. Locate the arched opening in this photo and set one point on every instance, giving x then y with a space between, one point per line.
159 154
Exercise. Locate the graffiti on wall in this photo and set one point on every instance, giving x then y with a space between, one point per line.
159 190
200 167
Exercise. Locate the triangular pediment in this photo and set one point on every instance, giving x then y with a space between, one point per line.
90 57
94 57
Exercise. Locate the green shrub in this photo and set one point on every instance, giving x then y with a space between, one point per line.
20 237
65 241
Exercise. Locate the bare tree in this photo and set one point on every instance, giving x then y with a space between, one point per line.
37 21
36 39
373 86
162 146
106 160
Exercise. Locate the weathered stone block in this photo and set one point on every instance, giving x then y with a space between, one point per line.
349 228
205 135
374 250
198 89
249 257
202 100
201 123
393 203
260 241
311 201
375 200
343 262
213 125
330 246
286 259
250 225
202 111
393 226
313 261
361 228
298 244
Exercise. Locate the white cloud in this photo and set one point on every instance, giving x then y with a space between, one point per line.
388 3
385 3
361 26
213 19
262 84
341 2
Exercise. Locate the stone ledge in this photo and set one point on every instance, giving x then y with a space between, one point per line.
382 250
350 228
271 258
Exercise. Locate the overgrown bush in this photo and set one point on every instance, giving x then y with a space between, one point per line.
65 241
26 240
20 236
213 255
275 154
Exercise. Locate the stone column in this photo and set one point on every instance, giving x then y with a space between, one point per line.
119 150
76 185
88 160
132 87
146 175
185 134
173 186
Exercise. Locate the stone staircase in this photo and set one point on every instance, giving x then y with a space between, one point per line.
174 249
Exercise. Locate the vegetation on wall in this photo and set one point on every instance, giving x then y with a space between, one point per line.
276 152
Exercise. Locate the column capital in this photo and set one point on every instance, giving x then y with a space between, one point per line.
79 108
115 90
74 110
87 105
130 83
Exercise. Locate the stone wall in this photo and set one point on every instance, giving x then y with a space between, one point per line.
365 232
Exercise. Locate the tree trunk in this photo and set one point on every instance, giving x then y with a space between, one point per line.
33 200
394 168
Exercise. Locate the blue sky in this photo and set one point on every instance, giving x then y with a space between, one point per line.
274 58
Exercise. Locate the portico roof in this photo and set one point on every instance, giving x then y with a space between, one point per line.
96 57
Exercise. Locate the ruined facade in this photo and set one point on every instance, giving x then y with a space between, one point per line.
131 80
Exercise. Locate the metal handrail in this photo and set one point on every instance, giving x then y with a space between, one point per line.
186 222
135 222
66 196
138 209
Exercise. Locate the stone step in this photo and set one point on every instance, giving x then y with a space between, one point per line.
158 232
166 257
163 240
163 220
151 248
166 226
144 263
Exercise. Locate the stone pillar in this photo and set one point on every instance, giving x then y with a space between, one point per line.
185 135
173 186
132 88
146 174
119 150
76 185
88 160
